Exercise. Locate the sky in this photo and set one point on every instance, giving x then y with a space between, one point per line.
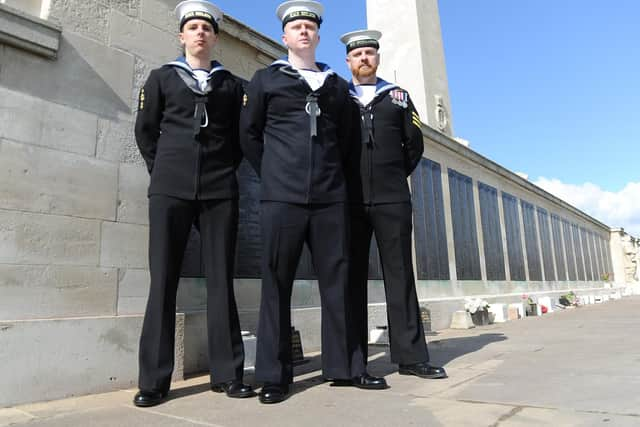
548 88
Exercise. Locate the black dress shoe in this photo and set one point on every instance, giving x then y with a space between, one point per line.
364 381
234 388
144 399
422 370
369 382
273 393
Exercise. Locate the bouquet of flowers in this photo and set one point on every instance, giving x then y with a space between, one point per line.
473 305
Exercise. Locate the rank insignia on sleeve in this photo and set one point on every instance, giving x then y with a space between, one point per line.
245 99
399 97
416 119
141 100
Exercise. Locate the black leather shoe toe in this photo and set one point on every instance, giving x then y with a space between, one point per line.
144 399
364 381
369 382
234 388
423 370
273 393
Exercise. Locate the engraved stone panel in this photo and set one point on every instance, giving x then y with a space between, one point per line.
577 246
249 246
531 241
514 239
249 243
491 232
595 260
570 250
556 228
588 254
465 234
545 241
428 222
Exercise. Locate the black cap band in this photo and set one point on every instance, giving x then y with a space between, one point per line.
197 14
362 43
301 14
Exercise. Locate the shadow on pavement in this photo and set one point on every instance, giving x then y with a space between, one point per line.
179 393
441 351
445 350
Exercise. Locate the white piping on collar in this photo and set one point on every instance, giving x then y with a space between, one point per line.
384 88
326 68
186 67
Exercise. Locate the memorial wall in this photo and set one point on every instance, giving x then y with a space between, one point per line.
73 209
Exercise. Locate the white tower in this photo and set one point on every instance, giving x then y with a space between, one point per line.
412 55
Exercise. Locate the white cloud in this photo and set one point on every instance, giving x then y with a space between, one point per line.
621 209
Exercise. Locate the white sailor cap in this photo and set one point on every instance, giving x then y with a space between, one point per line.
300 9
198 9
361 38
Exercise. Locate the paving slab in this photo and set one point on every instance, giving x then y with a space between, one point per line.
569 368
527 417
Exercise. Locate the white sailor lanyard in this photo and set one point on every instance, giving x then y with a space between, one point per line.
312 108
200 116
366 113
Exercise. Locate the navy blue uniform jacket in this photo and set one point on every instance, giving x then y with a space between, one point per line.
181 163
388 149
275 136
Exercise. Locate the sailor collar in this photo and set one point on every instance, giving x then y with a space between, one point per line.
182 63
186 73
311 108
381 87
284 62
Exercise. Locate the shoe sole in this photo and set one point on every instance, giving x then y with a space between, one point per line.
270 401
429 377
235 396
376 387
346 383
147 405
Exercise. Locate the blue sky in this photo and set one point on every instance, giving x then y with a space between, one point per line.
550 88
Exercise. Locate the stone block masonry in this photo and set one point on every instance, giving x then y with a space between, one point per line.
74 277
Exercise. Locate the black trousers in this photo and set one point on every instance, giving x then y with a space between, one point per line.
392 226
170 221
285 228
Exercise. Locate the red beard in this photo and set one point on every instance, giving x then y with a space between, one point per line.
365 71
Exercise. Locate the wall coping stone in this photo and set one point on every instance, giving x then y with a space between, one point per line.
30 33
259 41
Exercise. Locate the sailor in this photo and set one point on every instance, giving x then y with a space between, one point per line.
187 132
389 148
295 131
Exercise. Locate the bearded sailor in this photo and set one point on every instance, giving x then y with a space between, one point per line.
388 149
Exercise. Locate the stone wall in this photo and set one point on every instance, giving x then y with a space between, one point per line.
73 208
73 204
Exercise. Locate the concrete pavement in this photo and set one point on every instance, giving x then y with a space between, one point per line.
577 367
